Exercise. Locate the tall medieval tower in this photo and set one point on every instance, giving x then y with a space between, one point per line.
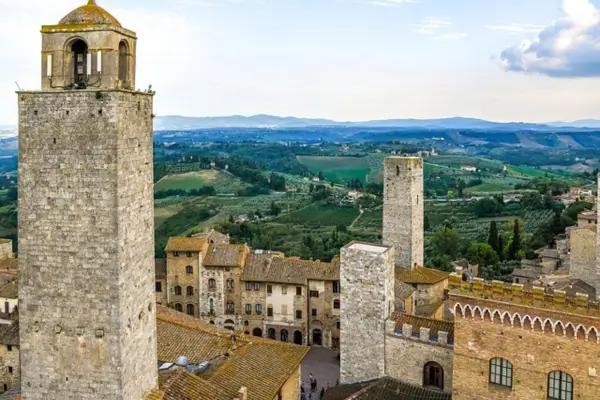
86 240
403 209
367 298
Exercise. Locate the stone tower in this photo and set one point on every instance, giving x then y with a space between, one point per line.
367 299
403 209
86 228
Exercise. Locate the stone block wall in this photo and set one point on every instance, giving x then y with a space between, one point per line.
6 249
403 209
86 233
406 354
367 300
10 371
583 255
177 276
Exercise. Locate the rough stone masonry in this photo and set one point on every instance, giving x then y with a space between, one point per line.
403 209
86 244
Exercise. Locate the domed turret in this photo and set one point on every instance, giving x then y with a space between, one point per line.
89 14
88 48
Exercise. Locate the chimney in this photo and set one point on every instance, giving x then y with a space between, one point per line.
443 338
424 334
406 330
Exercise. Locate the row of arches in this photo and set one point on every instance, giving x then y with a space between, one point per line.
189 308
535 323
283 335
78 67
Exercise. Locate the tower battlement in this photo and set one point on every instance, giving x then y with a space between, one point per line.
514 293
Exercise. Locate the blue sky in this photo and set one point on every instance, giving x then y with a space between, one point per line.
342 59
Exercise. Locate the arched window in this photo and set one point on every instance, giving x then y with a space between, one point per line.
123 63
178 307
560 386
501 372
258 308
248 308
211 304
271 333
336 304
433 375
284 335
178 290
230 284
189 290
79 50
257 332
189 270
230 306
211 283
229 321
190 309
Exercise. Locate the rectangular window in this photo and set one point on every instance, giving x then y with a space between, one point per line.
336 286
158 287
314 312
258 308
189 254
314 293
248 308
283 289
298 290
270 312
256 285
298 314
10 370
248 285
269 289
175 254
8 347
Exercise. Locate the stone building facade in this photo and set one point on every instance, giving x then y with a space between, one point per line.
511 344
367 280
403 209
10 368
86 218
582 256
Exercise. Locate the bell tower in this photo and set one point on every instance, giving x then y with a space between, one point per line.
86 217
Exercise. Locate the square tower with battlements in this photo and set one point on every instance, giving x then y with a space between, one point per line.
403 209
86 228
367 301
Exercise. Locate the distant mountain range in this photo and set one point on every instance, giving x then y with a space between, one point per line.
176 122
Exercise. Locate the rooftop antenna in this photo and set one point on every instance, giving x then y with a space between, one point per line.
19 87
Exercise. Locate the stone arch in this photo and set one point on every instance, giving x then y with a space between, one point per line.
487 315
229 321
516 321
298 337
124 62
580 332
433 375
569 330
592 334
271 333
477 314
75 59
506 320
559 329
538 325
548 327
496 317
283 335
467 312
526 322
257 332
457 310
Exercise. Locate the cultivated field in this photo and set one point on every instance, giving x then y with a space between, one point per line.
337 168
221 181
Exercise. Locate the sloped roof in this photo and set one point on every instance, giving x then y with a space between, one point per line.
261 365
421 275
434 325
402 291
275 268
180 384
186 243
525 273
225 255
385 388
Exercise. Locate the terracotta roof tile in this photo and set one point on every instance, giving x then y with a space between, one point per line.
402 290
186 243
10 290
225 255
278 269
385 388
261 365
182 385
434 325
421 275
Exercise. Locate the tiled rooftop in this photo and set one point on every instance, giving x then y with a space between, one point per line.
278 269
225 255
420 275
186 243
384 389
9 290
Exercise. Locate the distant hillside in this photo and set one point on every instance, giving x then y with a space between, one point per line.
175 122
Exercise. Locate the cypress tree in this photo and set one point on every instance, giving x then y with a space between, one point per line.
493 237
515 245
500 248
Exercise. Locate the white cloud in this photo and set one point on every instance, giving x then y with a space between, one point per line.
568 47
391 3
437 28
515 28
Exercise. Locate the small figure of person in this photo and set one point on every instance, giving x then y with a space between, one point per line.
322 394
